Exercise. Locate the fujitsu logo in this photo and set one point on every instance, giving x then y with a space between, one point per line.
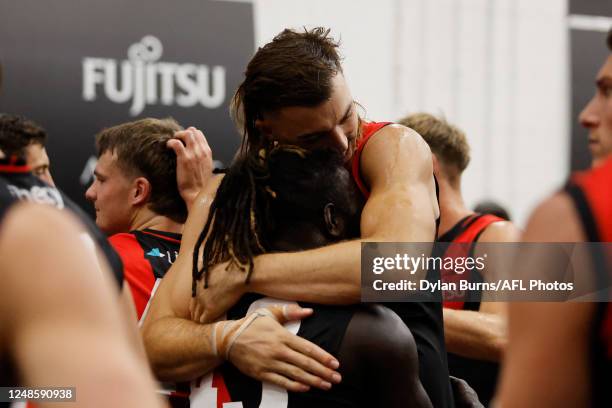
147 81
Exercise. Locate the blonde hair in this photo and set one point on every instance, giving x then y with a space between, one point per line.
446 141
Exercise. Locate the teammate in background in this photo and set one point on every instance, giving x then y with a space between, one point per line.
68 337
136 197
475 330
24 138
560 354
294 92
292 200
137 201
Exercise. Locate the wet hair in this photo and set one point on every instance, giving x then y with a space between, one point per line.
17 133
295 69
141 150
262 193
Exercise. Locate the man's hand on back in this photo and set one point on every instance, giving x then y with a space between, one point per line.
268 352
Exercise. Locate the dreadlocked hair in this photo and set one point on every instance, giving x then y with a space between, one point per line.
234 230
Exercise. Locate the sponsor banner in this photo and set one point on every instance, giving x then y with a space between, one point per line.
457 273
77 67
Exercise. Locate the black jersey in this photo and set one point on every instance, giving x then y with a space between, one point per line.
424 319
480 375
326 328
17 183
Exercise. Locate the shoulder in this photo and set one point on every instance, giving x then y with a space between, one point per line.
395 136
398 152
555 220
370 321
500 231
123 241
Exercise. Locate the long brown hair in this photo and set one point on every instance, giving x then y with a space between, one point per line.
294 69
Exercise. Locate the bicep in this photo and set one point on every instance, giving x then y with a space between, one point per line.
546 342
397 165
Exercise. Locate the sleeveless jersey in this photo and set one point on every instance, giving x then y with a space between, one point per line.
591 192
466 231
147 255
481 375
424 319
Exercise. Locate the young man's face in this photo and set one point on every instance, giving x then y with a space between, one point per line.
110 194
331 125
38 161
597 115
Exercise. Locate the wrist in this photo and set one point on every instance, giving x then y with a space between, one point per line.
257 281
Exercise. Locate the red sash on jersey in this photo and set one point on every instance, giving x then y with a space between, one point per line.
595 208
472 227
367 130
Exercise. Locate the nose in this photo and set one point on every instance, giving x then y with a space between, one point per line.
47 178
339 140
90 194
589 117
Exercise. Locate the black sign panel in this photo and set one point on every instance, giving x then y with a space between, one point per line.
76 67
590 7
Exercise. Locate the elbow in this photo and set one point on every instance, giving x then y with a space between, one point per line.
498 346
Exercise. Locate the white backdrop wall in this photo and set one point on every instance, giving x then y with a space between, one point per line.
496 68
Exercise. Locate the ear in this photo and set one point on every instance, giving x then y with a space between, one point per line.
263 126
141 191
436 165
333 222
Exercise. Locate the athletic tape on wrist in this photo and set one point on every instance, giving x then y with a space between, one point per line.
247 322
223 340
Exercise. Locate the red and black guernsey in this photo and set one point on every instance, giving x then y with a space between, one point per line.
17 183
424 319
481 375
591 192
147 255
466 232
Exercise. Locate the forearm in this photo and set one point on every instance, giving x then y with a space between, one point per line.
327 275
179 349
475 334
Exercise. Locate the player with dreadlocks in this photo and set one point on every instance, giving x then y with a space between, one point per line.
232 223
294 93
289 199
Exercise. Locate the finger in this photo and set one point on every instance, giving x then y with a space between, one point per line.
284 382
296 374
199 138
285 313
187 139
317 374
197 310
311 350
178 147
295 312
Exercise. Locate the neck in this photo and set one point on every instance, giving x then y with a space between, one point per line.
147 219
452 207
